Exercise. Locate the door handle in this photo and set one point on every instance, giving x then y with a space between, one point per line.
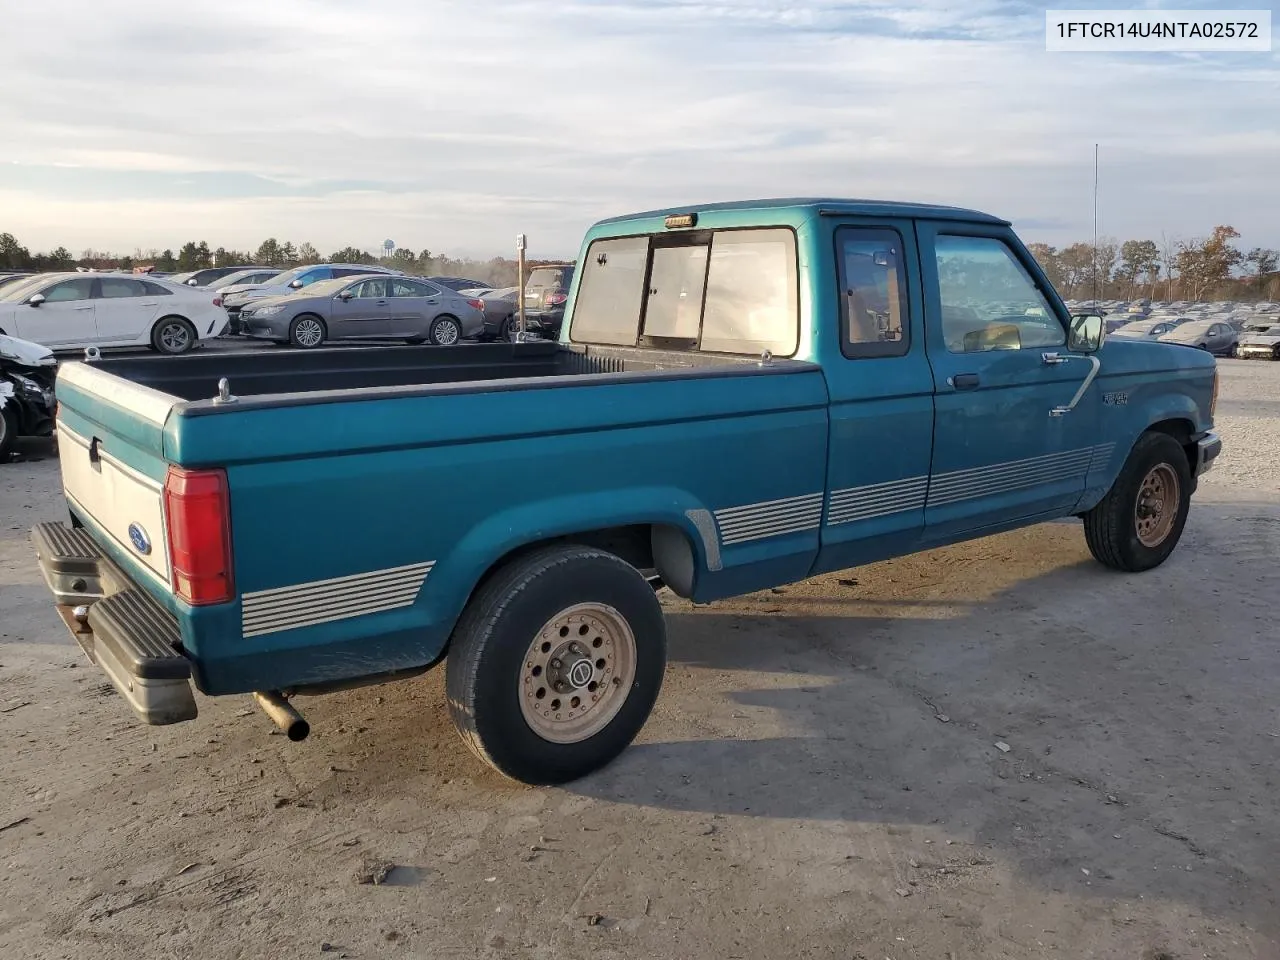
963 381
148 303
90 307
1053 358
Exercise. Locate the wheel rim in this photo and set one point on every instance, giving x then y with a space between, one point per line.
4 430
577 673
174 337
308 332
446 333
1159 498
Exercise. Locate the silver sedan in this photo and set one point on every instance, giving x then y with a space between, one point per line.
365 308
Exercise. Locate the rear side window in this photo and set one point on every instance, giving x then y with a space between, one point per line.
746 301
154 289
873 293
117 287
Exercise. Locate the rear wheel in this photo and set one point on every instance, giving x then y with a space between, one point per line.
445 331
1139 522
173 335
307 331
556 664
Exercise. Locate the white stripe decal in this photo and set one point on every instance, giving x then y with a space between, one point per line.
877 500
326 601
771 518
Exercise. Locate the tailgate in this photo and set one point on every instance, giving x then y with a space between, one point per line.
111 448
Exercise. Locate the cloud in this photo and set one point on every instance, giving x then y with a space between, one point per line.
454 126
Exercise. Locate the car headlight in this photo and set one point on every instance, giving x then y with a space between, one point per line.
266 311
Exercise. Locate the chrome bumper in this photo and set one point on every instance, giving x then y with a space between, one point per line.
1208 447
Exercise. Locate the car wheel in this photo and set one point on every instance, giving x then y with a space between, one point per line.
173 335
556 663
8 430
1138 523
445 331
307 331
508 332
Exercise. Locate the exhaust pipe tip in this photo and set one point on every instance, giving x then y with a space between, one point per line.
282 714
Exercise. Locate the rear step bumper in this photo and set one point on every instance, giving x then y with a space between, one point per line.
120 627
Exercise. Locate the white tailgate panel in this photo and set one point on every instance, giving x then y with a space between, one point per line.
116 495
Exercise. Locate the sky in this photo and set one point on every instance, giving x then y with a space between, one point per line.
455 125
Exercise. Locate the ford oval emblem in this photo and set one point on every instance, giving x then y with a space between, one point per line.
138 537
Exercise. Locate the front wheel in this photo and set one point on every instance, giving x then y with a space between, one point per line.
173 335
556 663
8 430
1139 522
307 331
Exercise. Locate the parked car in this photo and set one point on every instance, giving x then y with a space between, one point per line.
458 284
371 307
1260 344
7 279
282 284
546 290
246 277
1146 329
499 307
716 420
27 373
1216 336
209 276
68 311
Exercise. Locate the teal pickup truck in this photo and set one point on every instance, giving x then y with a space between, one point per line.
743 395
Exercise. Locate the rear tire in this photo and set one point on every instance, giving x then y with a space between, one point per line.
556 663
307 331
445 331
1139 522
173 336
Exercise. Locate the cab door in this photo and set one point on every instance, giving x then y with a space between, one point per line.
1014 439
872 341
64 316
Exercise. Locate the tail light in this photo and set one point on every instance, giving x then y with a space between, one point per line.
217 301
553 299
478 304
197 512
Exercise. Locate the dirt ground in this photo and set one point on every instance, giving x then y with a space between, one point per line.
822 776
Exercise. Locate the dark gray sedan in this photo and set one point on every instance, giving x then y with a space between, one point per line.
365 308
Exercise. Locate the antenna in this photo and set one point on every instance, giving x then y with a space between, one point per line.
1097 294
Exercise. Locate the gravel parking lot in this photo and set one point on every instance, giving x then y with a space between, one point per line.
821 778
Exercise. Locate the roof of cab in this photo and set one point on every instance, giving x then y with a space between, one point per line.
828 205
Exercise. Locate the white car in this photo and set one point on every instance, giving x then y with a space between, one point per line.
69 311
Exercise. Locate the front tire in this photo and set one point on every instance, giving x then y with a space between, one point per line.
556 663
173 336
445 331
8 430
1139 522
307 331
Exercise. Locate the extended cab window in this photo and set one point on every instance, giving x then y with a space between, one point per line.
733 291
873 293
988 300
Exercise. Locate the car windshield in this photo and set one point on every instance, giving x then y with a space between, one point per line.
324 288
246 276
1134 330
283 279
1193 329
20 290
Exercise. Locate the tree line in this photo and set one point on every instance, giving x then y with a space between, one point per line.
197 255
1202 268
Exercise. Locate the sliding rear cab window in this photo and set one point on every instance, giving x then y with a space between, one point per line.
731 291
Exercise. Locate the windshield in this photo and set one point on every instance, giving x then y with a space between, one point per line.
1193 329
21 289
245 276
323 288
1133 330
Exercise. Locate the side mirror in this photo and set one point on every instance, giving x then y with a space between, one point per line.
1087 334
192 282
346 295
35 300
296 284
